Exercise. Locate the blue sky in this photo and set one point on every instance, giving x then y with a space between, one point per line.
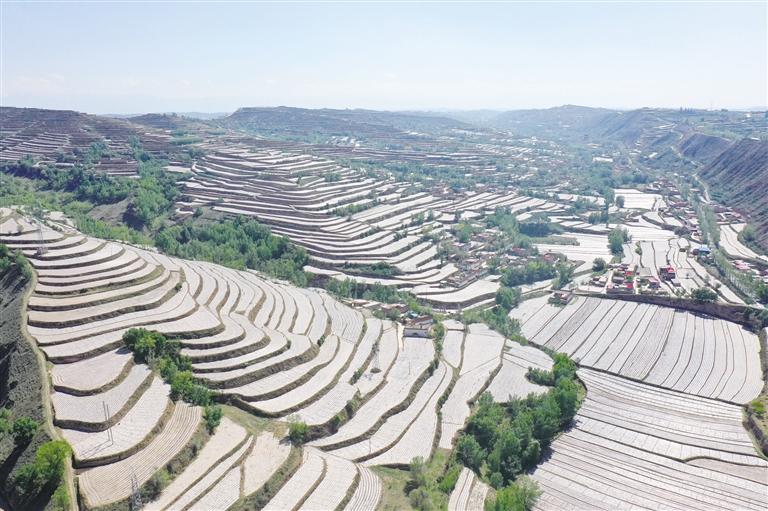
140 57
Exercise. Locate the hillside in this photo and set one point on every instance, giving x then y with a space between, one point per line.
20 386
330 122
738 177
703 148
568 121
64 137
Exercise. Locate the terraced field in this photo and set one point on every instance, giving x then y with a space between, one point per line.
303 196
272 349
255 340
678 350
662 415
637 446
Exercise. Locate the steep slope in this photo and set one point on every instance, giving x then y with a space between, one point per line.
20 386
703 148
738 177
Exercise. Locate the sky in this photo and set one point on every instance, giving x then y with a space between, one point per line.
136 57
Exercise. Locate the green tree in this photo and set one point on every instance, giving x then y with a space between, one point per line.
24 430
212 416
508 297
51 459
616 239
703 295
598 265
609 195
469 452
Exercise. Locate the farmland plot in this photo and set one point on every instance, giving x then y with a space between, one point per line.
468 494
733 247
245 332
481 359
511 382
232 324
699 355
668 423
638 446
587 471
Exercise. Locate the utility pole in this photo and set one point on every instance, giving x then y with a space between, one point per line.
136 503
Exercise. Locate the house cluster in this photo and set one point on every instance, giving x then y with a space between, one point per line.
622 279
417 325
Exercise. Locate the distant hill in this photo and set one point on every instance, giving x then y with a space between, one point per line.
568 121
171 122
202 116
48 134
331 122
648 128
738 177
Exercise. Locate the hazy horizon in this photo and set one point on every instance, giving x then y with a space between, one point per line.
123 58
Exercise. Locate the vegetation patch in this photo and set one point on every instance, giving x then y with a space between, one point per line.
239 243
164 356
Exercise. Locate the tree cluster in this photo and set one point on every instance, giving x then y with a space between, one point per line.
164 355
532 271
504 440
239 243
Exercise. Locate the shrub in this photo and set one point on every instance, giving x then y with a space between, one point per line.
212 416
703 295
519 496
154 487
5 422
24 430
297 431
598 264
448 482
758 408
419 498
60 498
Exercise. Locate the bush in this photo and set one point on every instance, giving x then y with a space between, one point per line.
154 487
297 431
703 295
60 498
212 416
508 297
519 496
448 482
24 430
420 500
5 422
598 265
758 408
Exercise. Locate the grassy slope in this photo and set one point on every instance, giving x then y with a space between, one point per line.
20 384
